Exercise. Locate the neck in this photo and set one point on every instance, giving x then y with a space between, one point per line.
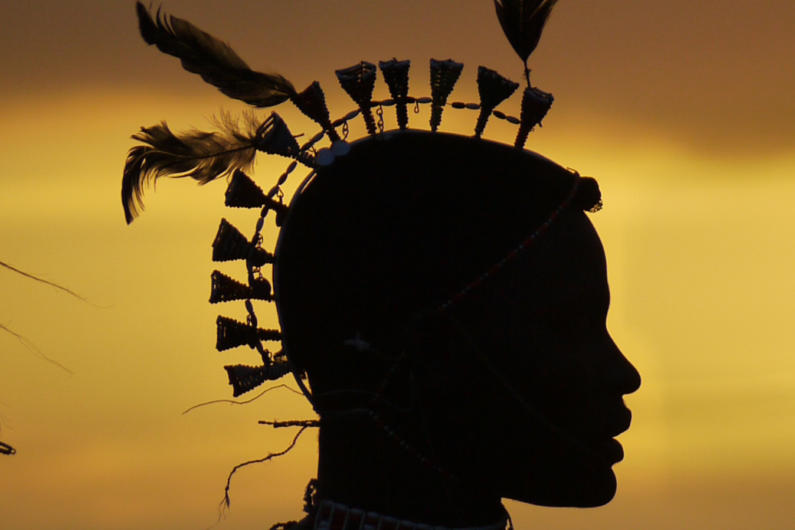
362 467
336 516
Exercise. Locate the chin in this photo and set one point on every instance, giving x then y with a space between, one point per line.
590 489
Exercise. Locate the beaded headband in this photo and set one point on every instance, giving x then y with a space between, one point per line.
206 156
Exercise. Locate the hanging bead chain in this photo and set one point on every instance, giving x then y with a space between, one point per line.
255 272
380 123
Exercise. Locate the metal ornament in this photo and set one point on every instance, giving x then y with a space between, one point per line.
493 89
245 378
396 75
229 244
312 102
275 138
243 192
444 75
225 289
231 334
358 81
535 105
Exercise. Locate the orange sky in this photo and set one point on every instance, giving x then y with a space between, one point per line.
683 111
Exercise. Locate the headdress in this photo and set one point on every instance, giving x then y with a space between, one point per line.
205 156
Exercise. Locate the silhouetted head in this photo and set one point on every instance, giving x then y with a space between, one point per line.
402 287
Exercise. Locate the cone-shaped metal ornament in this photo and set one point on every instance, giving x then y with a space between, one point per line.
493 89
312 102
245 378
243 192
274 137
444 75
224 289
396 75
232 334
535 105
230 244
358 81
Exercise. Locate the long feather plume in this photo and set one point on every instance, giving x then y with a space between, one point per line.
522 22
202 156
212 59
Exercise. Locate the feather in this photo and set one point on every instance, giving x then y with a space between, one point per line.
212 59
522 22
203 156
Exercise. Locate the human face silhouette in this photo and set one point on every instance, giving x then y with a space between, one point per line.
551 379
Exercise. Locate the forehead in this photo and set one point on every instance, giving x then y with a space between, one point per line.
566 267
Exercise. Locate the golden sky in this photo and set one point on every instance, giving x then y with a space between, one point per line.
683 110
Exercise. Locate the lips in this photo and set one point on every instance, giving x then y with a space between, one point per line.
606 446
611 450
595 432
623 424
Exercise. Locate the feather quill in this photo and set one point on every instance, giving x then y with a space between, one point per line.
522 22
202 156
212 59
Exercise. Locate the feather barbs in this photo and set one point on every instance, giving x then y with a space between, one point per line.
202 156
212 59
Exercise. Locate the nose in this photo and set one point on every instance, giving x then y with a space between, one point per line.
623 374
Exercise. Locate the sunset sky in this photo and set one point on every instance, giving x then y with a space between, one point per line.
683 110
